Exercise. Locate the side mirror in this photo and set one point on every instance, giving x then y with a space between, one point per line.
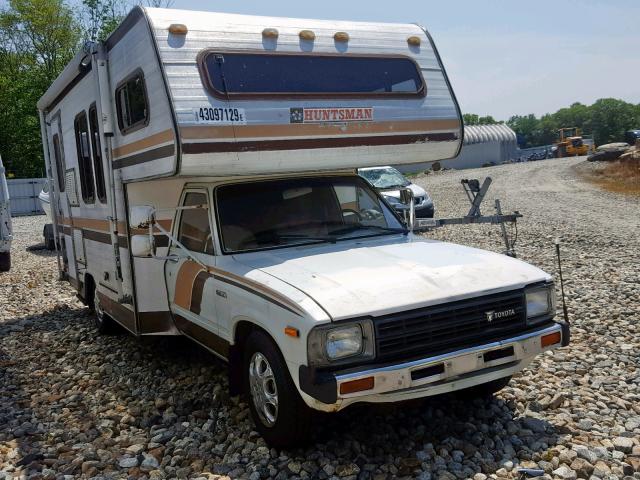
142 246
142 216
406 197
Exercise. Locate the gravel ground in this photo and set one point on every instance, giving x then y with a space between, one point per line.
76 404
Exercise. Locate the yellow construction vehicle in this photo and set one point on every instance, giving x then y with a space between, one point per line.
570 143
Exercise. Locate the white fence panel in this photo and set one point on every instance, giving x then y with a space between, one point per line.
23 195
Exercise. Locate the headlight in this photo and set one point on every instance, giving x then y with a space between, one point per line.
541 302
333 344
344 342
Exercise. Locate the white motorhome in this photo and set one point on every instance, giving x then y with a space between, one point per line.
203 172
5 223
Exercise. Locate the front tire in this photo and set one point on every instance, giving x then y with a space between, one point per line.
5 261
278 411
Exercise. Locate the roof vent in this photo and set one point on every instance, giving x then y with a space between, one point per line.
341 37
270 33
307 35
178 29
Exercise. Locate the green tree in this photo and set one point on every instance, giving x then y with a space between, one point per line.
525 127
577 115
37 40
473 119
101 17
611 117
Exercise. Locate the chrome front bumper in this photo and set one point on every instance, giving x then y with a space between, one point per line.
442 373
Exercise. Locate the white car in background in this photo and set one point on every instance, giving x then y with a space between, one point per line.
388 181
47 231
5 223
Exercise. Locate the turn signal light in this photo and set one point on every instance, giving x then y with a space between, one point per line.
292 332
550 339
357 385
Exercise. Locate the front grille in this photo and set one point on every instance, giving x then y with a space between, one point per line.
447 327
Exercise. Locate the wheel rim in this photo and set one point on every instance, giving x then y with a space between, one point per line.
97 307
264 391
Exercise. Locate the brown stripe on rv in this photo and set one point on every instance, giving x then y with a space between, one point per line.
119 312
202 336
148 156
311 129
184 283
198 288
155 322
190 285
96 236
103 225
256 288
313 143
147 142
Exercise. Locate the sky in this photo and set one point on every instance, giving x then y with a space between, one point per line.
503 57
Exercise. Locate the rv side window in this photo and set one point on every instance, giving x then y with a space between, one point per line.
84 158
195 232
57 154
101 191
303 74
131 103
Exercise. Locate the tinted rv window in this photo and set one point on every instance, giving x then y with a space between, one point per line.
57 155
101 191
195 232
312 74
131 103
84 158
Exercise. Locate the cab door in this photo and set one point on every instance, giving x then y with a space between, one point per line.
190 284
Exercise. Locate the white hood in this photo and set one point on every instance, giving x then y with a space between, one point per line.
386 275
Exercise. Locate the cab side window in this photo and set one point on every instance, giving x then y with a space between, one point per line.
84 158
195 231
131 103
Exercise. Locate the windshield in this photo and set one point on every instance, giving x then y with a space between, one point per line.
280 213
384 177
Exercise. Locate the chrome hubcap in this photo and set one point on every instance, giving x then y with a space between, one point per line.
264 392
97 307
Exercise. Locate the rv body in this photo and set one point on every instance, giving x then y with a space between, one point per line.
6 230
217 125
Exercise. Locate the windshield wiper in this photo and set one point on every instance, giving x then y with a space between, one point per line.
294 236
360 226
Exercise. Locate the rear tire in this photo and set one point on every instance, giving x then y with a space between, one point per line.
104 323
486 389
5 261
49 238
278 411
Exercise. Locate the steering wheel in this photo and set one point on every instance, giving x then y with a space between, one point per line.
355 212
372 214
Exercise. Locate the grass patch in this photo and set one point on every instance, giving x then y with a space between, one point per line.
619 177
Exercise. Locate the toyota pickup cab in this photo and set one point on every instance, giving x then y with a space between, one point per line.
322 297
